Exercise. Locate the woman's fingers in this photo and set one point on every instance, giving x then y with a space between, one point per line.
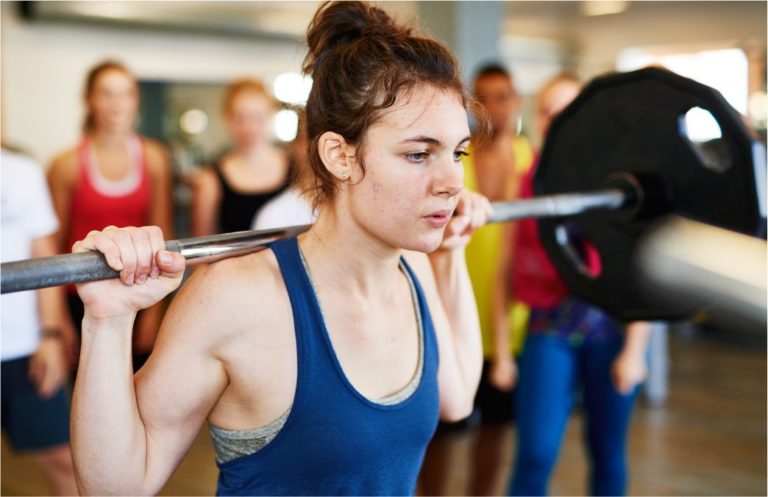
158 243
127 253
171 264
476 208
144 254
101 241
131 251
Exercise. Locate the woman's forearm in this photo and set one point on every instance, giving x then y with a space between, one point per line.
457 296
636 339
109 442
502 297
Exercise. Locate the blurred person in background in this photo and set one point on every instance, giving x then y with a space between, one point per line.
293 206
228 194
112 176
493 168
37 333
570 345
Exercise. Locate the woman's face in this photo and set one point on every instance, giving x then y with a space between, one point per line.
499 98
113 101
552 102
248 119
413 170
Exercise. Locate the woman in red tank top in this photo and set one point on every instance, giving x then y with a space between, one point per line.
112 177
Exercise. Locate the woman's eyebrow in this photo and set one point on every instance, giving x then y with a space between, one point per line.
430 140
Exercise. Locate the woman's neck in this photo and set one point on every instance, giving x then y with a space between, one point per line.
252 154
505 133
108 138
342 254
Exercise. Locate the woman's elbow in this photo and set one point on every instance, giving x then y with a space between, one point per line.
456 410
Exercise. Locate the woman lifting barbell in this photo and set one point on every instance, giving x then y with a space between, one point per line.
316 362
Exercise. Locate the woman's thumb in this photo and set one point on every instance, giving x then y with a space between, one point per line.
170 262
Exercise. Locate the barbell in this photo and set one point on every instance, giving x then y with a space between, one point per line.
66 269
617 162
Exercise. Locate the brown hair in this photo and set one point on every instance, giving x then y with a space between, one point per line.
243 85
361 61
492 69
90 82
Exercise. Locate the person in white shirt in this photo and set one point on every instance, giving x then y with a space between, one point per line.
37 333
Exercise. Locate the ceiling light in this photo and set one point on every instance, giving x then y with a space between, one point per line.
292 88
603 7
286 125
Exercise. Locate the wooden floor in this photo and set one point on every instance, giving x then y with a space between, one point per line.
709 438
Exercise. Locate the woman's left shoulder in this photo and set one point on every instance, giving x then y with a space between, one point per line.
154 148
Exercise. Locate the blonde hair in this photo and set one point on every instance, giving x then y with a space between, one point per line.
244 85
563 77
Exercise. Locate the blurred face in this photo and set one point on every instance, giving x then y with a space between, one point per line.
552 101
500 100
113 101
413 170
248 119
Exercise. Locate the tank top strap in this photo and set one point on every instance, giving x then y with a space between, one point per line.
84 158
430 340
140 152
306 310
307 317
222 180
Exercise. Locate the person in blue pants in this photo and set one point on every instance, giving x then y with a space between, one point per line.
576 347
571 347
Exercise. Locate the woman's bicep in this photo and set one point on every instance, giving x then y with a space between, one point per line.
179 385
61 188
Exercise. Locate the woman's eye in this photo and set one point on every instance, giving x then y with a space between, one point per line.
417 156
459 154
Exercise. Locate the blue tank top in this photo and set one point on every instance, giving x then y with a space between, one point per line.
335 441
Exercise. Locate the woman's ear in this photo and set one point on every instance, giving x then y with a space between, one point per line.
337 155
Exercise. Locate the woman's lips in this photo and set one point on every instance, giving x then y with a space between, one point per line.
438 219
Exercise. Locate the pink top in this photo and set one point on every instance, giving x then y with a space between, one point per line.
534 279
98 203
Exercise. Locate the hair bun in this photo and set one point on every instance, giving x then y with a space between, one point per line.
339 23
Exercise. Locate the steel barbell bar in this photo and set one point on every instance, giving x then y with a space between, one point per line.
66 269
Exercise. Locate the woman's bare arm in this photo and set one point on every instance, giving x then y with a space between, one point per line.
129 433
62 178
206 199
452 304
161 208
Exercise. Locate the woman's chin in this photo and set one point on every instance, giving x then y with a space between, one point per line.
425 244
116 126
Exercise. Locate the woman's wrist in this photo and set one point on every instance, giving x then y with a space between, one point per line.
502 357
448 254
449 267
117 322
50 332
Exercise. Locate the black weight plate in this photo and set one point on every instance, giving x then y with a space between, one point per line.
633 123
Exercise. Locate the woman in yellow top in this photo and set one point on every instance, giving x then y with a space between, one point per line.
493 169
